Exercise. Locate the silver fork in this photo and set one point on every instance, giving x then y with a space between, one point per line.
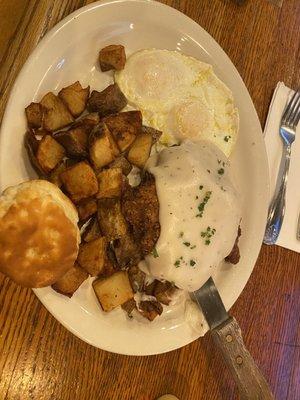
289 121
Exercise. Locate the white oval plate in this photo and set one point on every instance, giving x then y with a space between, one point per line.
69 53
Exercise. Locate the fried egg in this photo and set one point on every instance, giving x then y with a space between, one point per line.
181 96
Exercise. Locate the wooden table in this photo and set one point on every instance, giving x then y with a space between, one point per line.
39 359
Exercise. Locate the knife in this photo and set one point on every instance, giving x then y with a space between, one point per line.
227 336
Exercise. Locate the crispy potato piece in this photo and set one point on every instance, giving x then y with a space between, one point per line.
54 176
164 292
86 208
102 147
150 309
136 278
123 163
129 306
140 150
71 281
110 183
32 144
92 231
111 100
34 115
140 208
110 267
149 289
55 113
88 122
80 181
91 119
124 127
113 291
127 251
93 256
153 132
49 153
75 98
110 218
112 57
74 141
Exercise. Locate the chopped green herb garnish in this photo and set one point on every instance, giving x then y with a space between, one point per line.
201 206
219 161
222 188
192 262
208 170
193 247
226 138
221 171
181 234
177 263
187 244
201 187
208 234
155 253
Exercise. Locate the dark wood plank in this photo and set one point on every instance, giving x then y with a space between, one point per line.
39 359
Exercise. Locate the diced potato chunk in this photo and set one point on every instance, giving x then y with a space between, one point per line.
110 218
140 150
74 141
110 183
93 256
127 251
136 278
80 181
164 292
102 147
111 100
86 208
123 163
129 307
124 127
54 176
112 57
34 115
75 98
89 120
55 113
49 153
32 144
71 281
92 231
113 291
150 309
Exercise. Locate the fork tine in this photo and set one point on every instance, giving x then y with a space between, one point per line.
295 115
291 108
297 119
288 107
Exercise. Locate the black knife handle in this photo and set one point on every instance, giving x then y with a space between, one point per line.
249 379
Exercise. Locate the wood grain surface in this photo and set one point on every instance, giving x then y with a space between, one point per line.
39 359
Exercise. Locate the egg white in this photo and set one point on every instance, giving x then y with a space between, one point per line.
181 96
